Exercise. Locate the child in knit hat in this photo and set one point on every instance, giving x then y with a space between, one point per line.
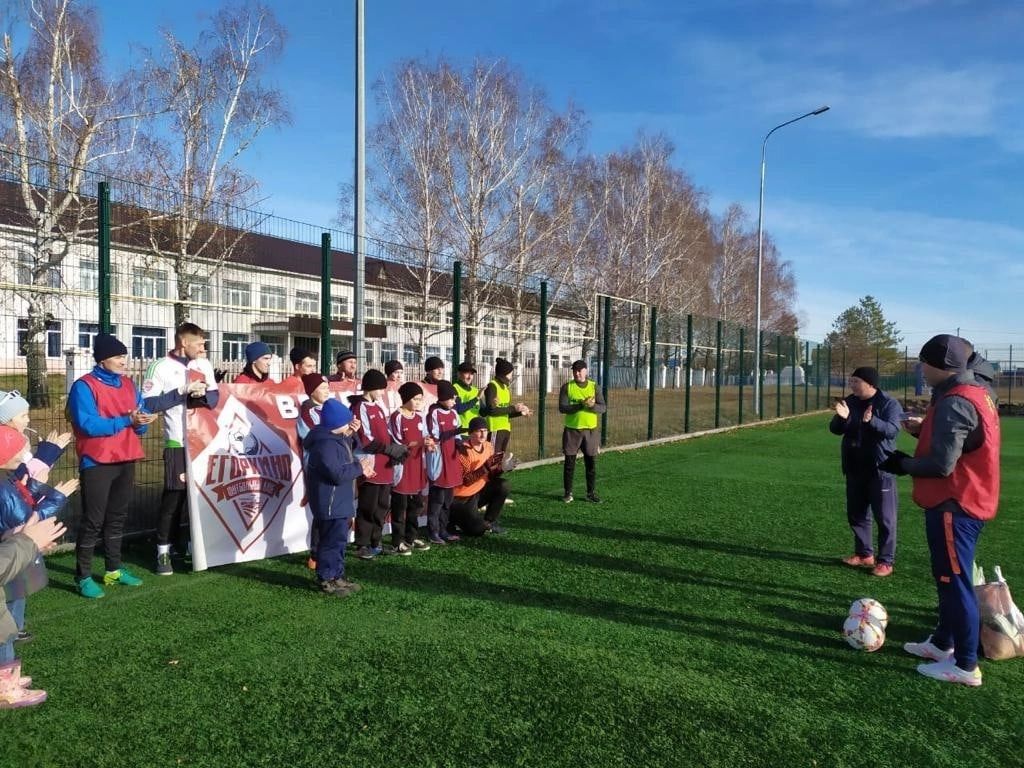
444 426
22 499
408 428
14 412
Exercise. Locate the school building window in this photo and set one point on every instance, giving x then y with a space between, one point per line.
51 338
148 343
149 283
388 351
410 354
307 303
233 346
87 333
200 293
272 297
236 294
339 307
25 266
388 310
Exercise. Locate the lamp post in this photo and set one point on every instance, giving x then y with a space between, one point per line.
760 244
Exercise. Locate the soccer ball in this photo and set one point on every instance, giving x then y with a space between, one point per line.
867 608
863 634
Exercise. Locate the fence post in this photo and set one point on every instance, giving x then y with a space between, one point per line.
743 375
792 367
1009 382
650 382
718 372
606 364
103 257
325 303
906 374
689 372
457 315
761 377
778 376
543 363
828 381
807 382
639 345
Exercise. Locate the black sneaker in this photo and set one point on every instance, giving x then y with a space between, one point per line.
163 564
593 497
496 529
24 636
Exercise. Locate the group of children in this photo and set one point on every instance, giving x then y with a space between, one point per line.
25 498
370 459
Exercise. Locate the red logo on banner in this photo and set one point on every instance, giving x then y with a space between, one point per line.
245 473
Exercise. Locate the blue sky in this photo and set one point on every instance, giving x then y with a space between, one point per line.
908 189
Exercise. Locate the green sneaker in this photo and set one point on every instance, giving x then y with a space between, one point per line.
121 576
89 588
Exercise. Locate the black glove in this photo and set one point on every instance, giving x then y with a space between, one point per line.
396 452
894 463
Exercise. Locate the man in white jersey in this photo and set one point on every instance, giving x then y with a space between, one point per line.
185 367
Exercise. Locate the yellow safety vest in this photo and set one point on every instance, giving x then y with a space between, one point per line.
500 423
581 419
465 395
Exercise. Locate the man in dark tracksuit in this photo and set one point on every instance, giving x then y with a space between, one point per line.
956 481
869 421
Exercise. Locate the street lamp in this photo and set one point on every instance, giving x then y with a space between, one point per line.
760 243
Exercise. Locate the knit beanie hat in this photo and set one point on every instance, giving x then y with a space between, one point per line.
503 367
408 391
345 355
374 379
335 414
445 391
298 354
466 368
11 404
311 381
12 443
477 422
255 351
433 363
946 352
391 366
867 374
105 346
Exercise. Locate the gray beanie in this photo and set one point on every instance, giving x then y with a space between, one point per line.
11 404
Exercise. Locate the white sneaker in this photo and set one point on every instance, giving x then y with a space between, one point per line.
509 501
927 650
948 672
403 549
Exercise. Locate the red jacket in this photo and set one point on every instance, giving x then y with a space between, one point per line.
111 402
974 482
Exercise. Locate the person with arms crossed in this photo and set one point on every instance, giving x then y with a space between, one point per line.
582 403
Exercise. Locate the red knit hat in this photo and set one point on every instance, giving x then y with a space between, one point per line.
12 443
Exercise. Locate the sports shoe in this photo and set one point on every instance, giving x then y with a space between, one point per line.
89 588
121 576
450 538
163 564
882 570
403 549
948 672
420 544
509 501
860 561
386 550
928 650
496 529
567 498
438 540
345 587
365 553
24 636
12 694
593 498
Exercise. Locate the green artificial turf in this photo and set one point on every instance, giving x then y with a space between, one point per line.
693 618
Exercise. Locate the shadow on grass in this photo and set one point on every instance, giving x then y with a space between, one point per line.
793 642
634 535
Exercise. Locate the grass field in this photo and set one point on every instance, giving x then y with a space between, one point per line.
691 619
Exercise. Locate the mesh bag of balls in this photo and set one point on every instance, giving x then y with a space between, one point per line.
864 628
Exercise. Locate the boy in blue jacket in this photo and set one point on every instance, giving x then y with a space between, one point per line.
331 470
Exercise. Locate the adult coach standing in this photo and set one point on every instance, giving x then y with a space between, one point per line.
581 402
107 415
869 421
956 481
184 364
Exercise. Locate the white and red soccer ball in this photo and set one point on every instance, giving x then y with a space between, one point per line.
864 628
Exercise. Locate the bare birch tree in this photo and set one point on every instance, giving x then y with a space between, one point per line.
61 116
198 200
